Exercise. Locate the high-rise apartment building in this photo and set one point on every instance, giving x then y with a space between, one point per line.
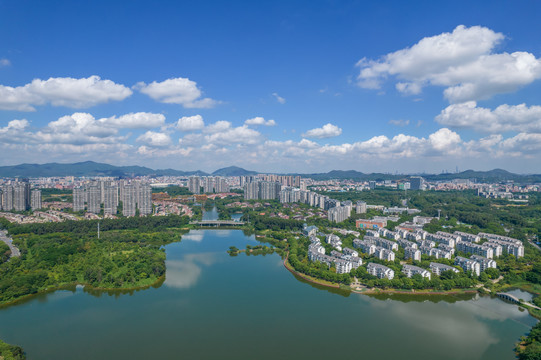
269 190
360 207
93 192
291 195
129 200
110 199
208 184
133 194
194 184
251 191
220 185
21 195
79 197
263 190
35 201
144 202
416 183
7 198
245 179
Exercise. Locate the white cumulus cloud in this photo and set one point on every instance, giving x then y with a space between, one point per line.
260 121
68 92
16 125
326 131
444 139
182 91
15 132
82 128
78 128
140 120
463 62
190 123
218 126
505 118
5 62
156 139
238 135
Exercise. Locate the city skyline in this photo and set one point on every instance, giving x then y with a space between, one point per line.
273 87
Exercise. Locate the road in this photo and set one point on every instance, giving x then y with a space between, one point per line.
9 242
534 244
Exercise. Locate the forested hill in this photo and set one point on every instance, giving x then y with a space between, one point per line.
233 171
87 168
496 175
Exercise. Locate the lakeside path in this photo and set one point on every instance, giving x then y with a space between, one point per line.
15 252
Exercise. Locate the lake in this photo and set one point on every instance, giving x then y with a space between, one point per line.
212 305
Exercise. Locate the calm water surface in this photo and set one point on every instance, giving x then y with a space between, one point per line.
250 307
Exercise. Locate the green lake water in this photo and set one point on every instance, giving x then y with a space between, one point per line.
213 306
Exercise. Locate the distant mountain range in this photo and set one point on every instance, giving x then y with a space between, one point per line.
91 168
495 175
87 168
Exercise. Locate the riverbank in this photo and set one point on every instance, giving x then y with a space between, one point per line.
374 291
11 352
308 278
87 288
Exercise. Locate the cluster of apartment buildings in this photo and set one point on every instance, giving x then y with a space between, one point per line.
286 190
475 263
382 243
344 260
210 184
337 211
284 180
262 190
17 196
134 195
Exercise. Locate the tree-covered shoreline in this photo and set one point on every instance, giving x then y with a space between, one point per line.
128 254
11 352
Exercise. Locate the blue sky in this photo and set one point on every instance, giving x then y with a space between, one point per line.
281 86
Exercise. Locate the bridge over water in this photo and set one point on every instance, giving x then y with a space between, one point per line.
217 223
509 297
516 300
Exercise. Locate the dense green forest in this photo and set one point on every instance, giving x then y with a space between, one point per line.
530 347
383 196
128 254
11 352
4 252
146 223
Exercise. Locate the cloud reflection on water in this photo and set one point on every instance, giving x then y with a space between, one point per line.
222 233
194 236
183 274
465 325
